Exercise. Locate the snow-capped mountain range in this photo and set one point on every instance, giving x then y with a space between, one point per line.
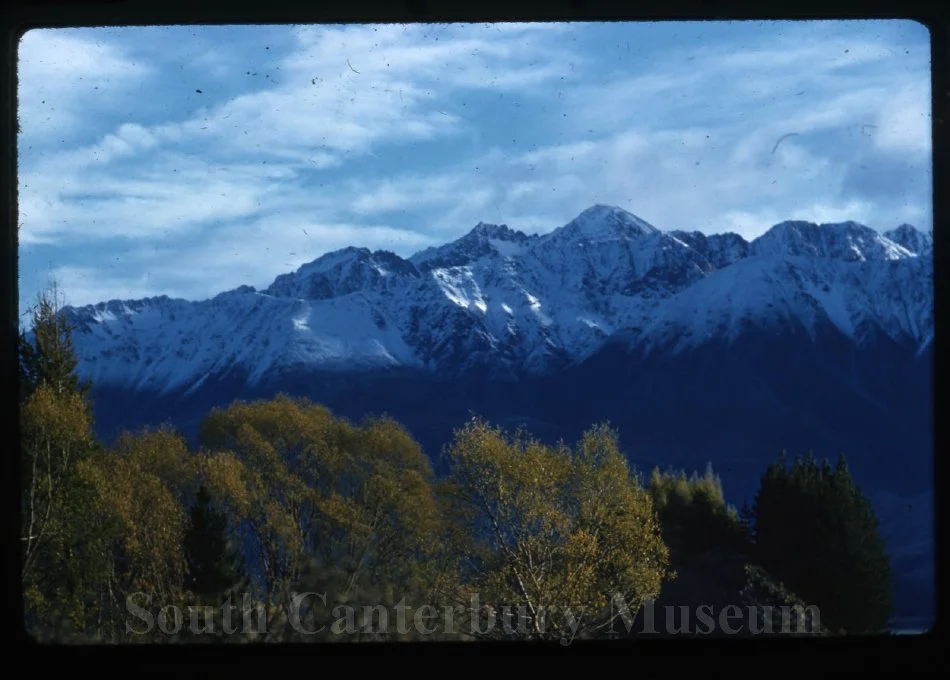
500 301
696 347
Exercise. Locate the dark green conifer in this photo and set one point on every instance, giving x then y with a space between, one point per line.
214 567
46 352
815 531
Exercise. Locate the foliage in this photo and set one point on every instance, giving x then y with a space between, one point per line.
551 531
382 510
62 557
780 610
215 566
694 513
268 463
706 543
55 434
62 545
324 503
139 483
45 354
286 499
817 532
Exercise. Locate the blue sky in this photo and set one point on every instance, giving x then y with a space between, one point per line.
185 161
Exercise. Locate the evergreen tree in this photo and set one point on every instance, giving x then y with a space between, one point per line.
46 353
694 513
778 610
815 531
62 556
214 567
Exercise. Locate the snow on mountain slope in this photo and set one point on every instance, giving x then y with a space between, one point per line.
915 241
343 272
500 301
162 344
601 223
805 275
484 240
497 303
847 241
720 249
794 291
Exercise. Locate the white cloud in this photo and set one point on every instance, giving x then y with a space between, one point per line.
858 211
747 224
63 77
367 124
88 285
315 115
392 54
74 196
249 254
904 122
559 155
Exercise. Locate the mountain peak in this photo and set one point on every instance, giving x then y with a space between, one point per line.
334 258
913 239
483 240
491 305
603 209
496 231
341 272
605 223
849 241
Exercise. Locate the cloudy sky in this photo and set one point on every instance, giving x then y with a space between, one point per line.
184 161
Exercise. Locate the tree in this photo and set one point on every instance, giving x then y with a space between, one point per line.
46 353
214 566
381 514
778 610
815 531
326 505
707 541
141 482
62 556
55 433
270 463
379 533
216 574
694 513
550 535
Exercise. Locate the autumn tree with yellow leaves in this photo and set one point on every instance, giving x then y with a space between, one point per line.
552 535
549 539
143 482
62 556
97 525
325 504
